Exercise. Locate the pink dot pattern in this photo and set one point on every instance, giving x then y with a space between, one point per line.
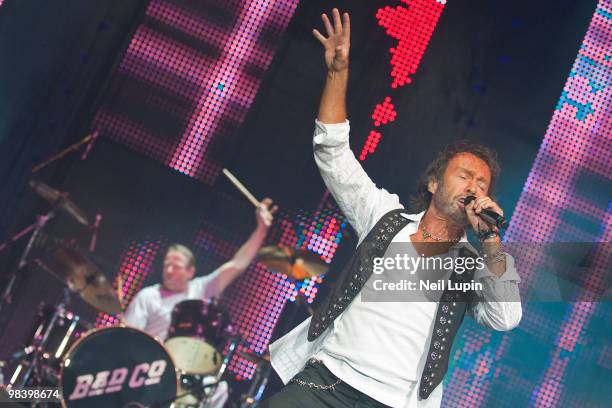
577 143
198 65
412 25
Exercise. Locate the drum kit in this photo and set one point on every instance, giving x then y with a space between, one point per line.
115 366
121 366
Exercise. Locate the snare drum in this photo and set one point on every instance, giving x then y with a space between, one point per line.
197 332
118 367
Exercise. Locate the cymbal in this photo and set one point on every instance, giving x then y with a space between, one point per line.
61 199
85 278
296 263
254 358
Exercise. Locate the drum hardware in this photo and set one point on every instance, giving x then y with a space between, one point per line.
198 331
83 276
94 228
34 366
297 264
2 365
59 200
234 342
260 379
195 387
255 358
201 388
90 138
35 230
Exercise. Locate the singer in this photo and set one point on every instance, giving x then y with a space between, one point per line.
354 353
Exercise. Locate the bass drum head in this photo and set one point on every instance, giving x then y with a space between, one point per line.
193 356
117 367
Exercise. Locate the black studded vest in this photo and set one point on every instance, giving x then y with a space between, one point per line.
449 315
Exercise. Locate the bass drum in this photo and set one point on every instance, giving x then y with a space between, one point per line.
118 367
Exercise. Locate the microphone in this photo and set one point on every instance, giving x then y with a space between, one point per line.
489 216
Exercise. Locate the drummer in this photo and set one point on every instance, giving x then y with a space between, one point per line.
151 308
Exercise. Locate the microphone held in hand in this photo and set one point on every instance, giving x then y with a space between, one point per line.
489 216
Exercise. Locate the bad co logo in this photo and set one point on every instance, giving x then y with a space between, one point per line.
107 381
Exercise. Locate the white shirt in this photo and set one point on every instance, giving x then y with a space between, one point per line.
151 308
381 357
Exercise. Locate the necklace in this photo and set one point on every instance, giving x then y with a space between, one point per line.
427 234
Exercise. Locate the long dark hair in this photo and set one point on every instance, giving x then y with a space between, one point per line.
435 170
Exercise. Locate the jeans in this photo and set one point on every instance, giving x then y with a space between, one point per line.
296 394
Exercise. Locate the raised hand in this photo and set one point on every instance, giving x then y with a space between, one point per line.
265 213
338 41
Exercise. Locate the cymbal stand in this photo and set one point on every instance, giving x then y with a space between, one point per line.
224 364
94 232
258 386
178 397
35 228
300 300
39 345
200 393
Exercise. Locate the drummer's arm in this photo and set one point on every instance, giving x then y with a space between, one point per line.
233 268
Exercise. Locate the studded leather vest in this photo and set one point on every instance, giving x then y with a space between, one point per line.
449 315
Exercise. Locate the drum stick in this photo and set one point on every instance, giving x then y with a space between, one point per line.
241 187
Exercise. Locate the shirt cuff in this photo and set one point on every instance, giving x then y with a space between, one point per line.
331 134
510 275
